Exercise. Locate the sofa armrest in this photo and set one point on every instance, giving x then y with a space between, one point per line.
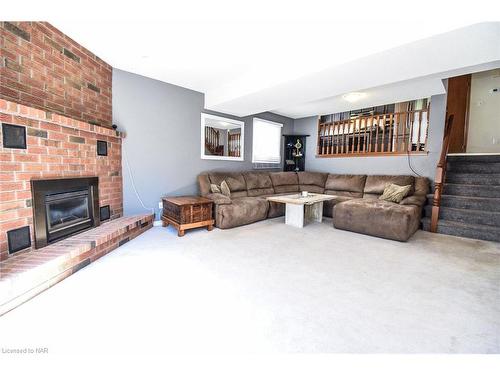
219 198
416 200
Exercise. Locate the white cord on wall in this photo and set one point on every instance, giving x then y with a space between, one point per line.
133 183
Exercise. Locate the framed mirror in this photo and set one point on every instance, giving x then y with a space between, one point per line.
221 138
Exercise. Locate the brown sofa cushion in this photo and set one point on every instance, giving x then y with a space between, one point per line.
344 193
258 183
284 182
312 189
204 184
276 209
286 189
375 185
242 211
421 186
260 192
235 181
345 182
328 205
416 200
343 185
313 182
284 178
377 218
312 178
257 180
219 198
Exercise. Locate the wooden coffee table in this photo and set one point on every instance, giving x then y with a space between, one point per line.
300 210
187 212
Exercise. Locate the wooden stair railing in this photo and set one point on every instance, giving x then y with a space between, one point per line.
212 141
440 175
384 134
234 146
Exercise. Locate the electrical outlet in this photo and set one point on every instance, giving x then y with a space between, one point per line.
160 204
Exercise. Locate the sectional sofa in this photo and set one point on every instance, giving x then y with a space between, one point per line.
356 208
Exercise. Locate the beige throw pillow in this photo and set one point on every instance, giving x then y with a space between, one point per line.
224 189
214 188
395 193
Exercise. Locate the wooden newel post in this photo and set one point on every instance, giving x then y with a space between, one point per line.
440 175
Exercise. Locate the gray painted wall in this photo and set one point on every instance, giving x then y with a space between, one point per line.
423 165
162 146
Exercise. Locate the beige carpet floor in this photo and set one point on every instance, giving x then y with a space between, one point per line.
268 287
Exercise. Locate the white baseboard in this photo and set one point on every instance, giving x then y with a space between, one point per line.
157 223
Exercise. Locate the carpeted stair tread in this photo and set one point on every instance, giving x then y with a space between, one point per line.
473 178
467 216
486 191
489 158
473 167
473 203
480 232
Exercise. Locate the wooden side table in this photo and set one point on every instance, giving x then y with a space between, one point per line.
187 212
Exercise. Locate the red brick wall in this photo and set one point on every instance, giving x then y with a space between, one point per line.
42 68
57 146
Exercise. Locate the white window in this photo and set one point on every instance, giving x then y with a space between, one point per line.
266 145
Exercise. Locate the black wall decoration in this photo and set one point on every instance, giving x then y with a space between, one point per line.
102 148
14 136
104 212
19 239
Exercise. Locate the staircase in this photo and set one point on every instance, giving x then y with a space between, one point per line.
470 202
212 141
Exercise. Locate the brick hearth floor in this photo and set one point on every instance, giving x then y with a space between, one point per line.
25 275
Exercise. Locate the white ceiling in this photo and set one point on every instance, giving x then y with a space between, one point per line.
292 57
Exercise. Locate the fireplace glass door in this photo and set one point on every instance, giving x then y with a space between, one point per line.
67 210
63 207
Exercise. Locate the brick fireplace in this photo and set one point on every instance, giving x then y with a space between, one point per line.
56 147
55 115
60 162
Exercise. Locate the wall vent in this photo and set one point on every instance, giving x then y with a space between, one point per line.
104 212
19 239
14 136
102 148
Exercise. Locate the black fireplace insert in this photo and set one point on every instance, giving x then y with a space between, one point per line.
63 207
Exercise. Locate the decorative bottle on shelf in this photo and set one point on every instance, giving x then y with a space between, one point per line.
295 152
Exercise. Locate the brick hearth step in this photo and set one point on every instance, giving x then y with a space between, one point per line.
25 275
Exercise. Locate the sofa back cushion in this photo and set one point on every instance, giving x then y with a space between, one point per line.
204 184
375 185
258 183
421 186
313 182
345 185
285 182
234 180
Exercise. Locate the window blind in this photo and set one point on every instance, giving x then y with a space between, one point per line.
266 145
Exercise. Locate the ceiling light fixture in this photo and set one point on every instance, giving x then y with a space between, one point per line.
354 96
